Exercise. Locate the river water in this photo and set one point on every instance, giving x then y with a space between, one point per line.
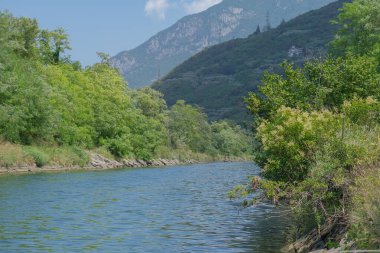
174 209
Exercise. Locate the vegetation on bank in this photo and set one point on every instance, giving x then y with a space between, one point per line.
318 133
52 109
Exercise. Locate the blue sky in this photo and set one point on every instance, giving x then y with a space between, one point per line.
108 26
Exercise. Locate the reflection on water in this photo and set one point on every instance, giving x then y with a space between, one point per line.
178 209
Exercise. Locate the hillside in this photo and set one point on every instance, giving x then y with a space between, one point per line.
228 20
217 78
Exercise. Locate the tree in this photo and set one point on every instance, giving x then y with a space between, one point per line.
359 31
188 126
104 57
258 31
20 34
318 85
25 114
53 44
229 139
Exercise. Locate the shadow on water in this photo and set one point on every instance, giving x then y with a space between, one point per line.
268 231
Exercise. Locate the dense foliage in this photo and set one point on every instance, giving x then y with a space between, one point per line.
318 129
48 100
359 33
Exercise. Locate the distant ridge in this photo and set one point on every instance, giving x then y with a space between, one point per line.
225 21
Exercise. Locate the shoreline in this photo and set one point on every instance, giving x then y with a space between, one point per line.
100 163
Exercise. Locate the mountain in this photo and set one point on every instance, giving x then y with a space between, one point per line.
225 21
219 77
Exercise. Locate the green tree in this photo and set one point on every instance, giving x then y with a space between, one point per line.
53 45
359 31
188 126
230 140
19 34
25 113
317 85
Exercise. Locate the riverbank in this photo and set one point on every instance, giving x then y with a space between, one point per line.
100 162
97 162
356 228
16 158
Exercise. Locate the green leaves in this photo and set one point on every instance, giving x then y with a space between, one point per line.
359 31
188 126
290 140
52 45
317 85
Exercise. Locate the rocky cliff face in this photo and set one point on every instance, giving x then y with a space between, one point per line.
190 35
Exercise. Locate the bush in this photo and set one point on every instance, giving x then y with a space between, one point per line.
290 141
309 158
39 156
365 112
119 147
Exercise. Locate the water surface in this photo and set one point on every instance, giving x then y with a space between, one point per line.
177 209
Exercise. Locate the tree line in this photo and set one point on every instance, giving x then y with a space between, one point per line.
46 99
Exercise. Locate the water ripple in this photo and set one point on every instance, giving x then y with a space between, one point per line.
178 209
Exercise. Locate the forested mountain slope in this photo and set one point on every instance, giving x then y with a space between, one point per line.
219 77
225 21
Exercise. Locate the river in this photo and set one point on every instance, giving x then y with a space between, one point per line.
173 209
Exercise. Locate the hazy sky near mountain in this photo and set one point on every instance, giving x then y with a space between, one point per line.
108 26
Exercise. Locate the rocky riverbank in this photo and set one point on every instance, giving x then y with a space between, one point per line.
97 162
316 241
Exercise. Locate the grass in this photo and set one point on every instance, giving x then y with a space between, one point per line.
12 155
103 152
365 213
40 157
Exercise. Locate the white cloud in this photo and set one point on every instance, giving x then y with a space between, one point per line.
157 8
196 6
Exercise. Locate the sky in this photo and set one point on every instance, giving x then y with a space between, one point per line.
109 26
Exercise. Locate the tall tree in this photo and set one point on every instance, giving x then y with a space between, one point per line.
359 31
53 44
258 31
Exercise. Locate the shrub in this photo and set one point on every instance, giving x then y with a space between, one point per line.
363 111
119 146
291 140
39 156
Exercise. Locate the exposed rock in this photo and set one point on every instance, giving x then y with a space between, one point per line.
315 241
97 162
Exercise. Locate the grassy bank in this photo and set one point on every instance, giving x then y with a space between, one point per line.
13 155
57 158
